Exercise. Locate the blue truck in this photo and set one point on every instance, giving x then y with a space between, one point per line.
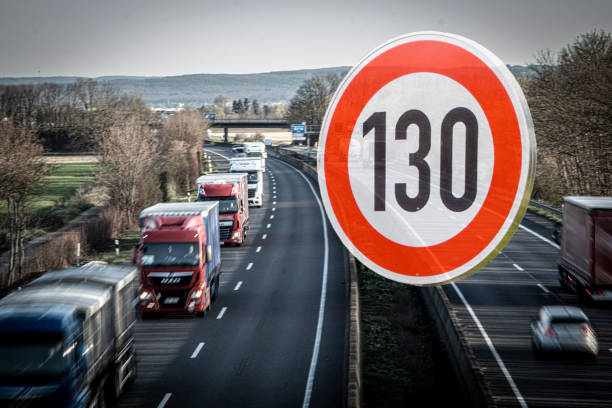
66 339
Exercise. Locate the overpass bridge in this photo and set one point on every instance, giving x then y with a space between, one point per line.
227 124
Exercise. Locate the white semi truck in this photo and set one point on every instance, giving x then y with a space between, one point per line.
255 177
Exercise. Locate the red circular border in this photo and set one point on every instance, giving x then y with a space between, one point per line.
478 78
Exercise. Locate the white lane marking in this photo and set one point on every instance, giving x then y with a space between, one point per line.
272 217
317 343
238 285
164 400
221 313
543 288
268 226
249 266
197 350
274 183
218 154
258 249
500 363
535 234
264 236
274 197
273 208
273 202
518 267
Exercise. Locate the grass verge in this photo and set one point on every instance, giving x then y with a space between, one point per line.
404 363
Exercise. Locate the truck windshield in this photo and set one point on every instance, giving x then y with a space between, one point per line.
254 154
253 177
226 204
33 355
171 254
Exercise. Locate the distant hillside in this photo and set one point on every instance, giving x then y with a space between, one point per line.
198 89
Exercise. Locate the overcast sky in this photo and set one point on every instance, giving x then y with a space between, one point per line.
173 37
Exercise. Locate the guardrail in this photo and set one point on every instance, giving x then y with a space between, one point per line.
546 207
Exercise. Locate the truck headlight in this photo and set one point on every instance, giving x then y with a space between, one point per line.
197 294
236 235
145 295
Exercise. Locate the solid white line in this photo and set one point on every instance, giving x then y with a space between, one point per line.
268 226
238 285
264 236
249 266
535 234
272 217
221 313
317 343
543 288
258 249
164 400
484 334
218 154
197 350
518 267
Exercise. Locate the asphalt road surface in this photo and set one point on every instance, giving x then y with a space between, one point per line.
504 297
277 334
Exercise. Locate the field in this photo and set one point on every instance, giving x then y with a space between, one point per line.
63 182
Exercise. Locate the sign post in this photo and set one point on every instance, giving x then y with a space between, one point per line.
426 158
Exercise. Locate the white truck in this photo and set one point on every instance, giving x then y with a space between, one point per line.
255 147
255 177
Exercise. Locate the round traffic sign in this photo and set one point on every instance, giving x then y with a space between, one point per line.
426 158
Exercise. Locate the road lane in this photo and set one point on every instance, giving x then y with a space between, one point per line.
259 352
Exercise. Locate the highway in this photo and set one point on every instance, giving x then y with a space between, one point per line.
277 334
504 297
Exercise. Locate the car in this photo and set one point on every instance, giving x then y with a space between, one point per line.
563 329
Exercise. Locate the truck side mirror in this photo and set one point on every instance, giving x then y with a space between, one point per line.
208 253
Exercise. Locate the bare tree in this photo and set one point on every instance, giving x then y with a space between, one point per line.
571 101
22 169
128 155
311 99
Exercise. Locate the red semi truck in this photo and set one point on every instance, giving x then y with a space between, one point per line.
232 192
180 257
585 265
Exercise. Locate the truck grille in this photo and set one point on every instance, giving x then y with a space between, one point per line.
252 193
171 280
225 231
173 298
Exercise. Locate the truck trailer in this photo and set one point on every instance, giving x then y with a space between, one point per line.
66 339
255 177
585 265
232 192
179 257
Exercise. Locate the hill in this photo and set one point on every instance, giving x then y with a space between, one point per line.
199 89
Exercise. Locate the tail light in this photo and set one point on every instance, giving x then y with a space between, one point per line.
550 332
586 330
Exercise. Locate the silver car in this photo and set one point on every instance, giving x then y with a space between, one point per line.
563 329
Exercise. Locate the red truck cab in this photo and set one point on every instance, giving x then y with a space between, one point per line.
231 191
180 260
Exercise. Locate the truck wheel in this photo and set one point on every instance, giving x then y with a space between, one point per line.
215 290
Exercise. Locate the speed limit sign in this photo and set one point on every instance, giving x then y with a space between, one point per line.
426 158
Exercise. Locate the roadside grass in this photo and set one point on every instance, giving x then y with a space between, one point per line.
546 214
403 361
127 241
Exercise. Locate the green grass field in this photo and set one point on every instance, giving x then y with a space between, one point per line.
63 182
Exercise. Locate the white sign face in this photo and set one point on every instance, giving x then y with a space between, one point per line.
426 158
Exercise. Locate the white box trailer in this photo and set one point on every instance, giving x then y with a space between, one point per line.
255 177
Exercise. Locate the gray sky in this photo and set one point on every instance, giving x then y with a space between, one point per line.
172 37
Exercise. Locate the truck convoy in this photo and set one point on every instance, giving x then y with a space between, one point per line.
179 257
66 339
255 177
585 265
231 191
255 147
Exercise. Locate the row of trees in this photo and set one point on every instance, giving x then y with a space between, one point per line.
142 161
570 98
243 108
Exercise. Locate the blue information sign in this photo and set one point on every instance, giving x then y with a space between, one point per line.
298 128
